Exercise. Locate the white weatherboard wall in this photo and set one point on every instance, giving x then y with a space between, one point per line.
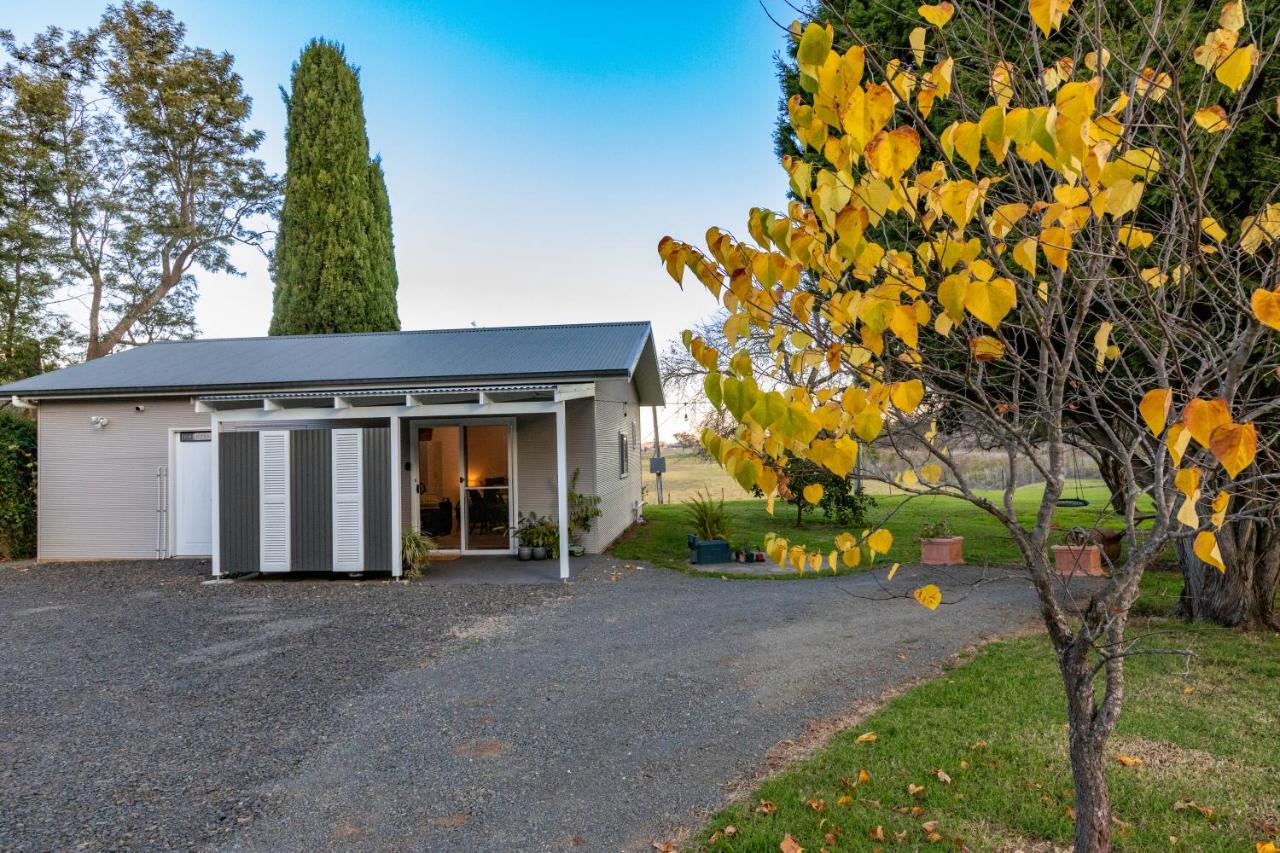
617 409
97 488
536 456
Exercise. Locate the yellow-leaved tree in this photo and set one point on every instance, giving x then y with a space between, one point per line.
1006 242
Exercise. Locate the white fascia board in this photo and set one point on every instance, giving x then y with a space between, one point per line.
575 391
436 410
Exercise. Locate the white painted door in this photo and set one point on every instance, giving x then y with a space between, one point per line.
273 500
193 495
348 500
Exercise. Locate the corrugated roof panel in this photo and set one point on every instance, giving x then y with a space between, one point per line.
448 355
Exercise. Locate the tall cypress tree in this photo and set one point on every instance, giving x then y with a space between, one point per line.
387 280
333 266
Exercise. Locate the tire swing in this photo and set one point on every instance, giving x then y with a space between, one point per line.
1079 500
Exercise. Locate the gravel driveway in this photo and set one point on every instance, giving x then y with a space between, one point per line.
142 709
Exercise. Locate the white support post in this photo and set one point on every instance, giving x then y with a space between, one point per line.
562 490
397 567
215 425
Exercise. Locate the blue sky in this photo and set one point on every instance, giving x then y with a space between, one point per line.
534 152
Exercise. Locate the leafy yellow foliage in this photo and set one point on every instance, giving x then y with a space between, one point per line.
1154 409
1206 548
1235 446
848 304
1212 119
938 14
1202 417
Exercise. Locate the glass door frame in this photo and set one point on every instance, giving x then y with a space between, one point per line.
513 509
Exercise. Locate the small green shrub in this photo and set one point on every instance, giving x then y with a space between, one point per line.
17 486
537 531
416 549
938 529
707 516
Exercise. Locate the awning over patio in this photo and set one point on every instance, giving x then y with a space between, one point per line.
343 411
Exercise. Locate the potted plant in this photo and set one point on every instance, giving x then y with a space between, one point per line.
534 533
1079 554
710 525
519 530
583 510
415 551
939 546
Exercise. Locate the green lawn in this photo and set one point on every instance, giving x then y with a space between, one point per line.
995 727
662 540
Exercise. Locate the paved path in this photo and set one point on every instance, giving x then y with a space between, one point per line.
603 720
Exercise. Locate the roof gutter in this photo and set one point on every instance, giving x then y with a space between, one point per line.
321 388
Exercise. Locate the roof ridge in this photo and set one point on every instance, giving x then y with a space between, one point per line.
531 326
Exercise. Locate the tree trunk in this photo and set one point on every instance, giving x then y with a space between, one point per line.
1087 749
1112 473
1244 595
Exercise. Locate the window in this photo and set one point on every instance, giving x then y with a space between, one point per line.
624 454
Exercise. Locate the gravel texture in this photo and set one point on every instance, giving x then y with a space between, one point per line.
141 709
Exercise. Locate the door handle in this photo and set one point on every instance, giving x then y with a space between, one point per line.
420 489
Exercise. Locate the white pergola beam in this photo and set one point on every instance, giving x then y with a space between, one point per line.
397 556
270 405
575 391
215 427
562 489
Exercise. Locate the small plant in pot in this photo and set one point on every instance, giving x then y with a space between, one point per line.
583 511
1079 554
535 533
710 522
939 546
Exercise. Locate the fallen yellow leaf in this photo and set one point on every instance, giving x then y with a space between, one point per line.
789 845
928 596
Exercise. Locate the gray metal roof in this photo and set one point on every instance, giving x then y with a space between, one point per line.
583 351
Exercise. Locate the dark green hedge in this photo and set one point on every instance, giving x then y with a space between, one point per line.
17 486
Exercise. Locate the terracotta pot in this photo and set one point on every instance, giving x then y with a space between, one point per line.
1078 560
947 551
1110 541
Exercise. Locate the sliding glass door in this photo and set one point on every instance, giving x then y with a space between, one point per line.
463 484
